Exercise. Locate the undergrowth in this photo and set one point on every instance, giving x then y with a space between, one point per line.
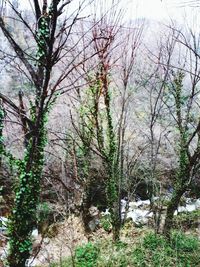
152 251
156 251
187 220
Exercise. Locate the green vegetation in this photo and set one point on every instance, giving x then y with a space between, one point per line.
126 126
152 251
187 220
23 218
86 256
155 250
105 223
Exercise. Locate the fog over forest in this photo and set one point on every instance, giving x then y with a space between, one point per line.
99 133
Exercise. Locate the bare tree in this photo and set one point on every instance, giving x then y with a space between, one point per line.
49 30
180 98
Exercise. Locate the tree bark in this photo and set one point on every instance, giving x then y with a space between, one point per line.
171 208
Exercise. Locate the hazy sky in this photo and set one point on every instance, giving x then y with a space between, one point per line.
152 9
165 9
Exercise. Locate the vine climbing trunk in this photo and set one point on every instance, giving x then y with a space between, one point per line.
23 217
86 204
114 202
113 193
172 207
184 170
39 55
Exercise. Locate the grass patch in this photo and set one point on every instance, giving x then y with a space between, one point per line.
86 256
151 251
187 220
156 251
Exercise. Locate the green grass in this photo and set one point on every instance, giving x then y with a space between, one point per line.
151 251
86 256
187 220
155 251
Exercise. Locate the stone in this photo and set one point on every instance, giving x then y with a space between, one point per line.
3 225
190 207
197 203
93 211
139 216
105 213
35 233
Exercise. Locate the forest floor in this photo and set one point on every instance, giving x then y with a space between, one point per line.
65 244
138 246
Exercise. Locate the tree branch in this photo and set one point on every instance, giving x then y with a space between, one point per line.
20 53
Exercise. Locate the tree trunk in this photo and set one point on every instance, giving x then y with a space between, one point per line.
23 218
113 198
86 217
116 224
171 208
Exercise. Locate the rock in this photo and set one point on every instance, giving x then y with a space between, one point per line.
105 213
3 225
93 211
35 233
182 209
93 224
197 203
139 216
140 203
188 200
133 205
190 207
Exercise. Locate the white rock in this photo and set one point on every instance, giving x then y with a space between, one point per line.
35 233
182 209
188 200
123 202
190 207
132 205
146 202
142 203
139 216
155 198
106 212
197 203
3 224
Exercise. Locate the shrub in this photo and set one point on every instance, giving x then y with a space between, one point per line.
182 242
105 223
156 251
43 211
152 251
86 256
